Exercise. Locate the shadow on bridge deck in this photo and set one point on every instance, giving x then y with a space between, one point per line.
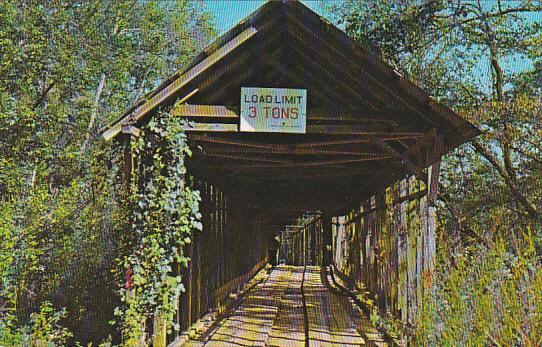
292 307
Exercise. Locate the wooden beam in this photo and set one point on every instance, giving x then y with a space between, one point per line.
314 115
204 111
131 130
353 86
348 119
317 45
227 48
358 140
293 177
221 141
230 74
263 158
257 159
181 81
211 127
427 149
240 69
368 129
310 163
381 75
360 130
400 157
225 146
282 150
187 96
222 169
307 77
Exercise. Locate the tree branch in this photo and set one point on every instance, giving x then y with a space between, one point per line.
524 9
510 182
44 94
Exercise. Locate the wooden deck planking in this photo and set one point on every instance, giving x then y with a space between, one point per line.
272 315
251 323
329 322
288 329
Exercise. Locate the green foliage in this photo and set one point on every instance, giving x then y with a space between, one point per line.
510 127
44 329
66 69
387 323
483 59
486 296
165 215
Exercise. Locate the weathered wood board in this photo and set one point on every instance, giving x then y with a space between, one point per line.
396 231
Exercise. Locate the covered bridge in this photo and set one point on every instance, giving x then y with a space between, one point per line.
289 116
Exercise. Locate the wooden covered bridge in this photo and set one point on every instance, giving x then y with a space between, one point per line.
291 118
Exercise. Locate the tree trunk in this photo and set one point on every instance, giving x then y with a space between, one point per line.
505 170
97 96
94 113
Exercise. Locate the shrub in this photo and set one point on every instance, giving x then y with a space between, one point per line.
489 295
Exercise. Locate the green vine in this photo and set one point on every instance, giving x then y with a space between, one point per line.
164 215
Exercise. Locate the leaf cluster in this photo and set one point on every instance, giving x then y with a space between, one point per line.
165 214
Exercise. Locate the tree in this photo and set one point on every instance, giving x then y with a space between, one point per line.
467 54
66 69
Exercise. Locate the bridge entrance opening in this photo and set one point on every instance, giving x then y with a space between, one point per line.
349 183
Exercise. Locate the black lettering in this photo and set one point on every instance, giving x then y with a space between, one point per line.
289 99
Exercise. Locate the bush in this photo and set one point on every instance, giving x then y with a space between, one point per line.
489 295
44 329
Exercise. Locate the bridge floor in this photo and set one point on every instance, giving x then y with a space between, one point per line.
292 307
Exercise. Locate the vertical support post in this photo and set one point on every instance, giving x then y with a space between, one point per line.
430 246
128 162
281 247
160 334
178 314
189 286
402 251
412 233
304 245
196 258
326 239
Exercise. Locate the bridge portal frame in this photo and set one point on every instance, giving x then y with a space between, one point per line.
367 128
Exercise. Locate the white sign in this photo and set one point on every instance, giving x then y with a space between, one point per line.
276 110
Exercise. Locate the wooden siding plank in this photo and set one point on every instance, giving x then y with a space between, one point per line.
402 253
413 226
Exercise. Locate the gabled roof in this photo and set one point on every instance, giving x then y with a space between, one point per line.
356 104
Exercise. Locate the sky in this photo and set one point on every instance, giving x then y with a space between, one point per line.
228 13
